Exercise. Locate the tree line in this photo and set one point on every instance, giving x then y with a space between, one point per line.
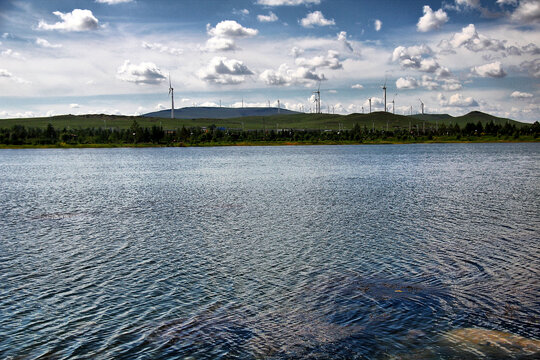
156 135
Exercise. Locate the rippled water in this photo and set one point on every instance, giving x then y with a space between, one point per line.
374 252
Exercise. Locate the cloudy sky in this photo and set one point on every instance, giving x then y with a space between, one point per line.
115 56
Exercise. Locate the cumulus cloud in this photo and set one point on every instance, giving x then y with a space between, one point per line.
113 2
494 70
429 82
457 100
74 106
418 58
431 20
470 39
532 67
288 2
143 73
528 11
224 71
331 60
284 76
220 44
342 37
377 24
230 29
316 18
44 43
521 95
223 35
77 20
451 85
162 48
357 86
406 83
271 17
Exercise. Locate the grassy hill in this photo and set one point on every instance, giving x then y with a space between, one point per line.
376 120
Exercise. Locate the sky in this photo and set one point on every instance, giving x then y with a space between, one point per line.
116 56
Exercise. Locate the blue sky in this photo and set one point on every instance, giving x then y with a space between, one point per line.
114 56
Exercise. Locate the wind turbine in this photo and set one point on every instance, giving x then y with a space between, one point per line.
394 104
422 104
171 92
318 99
369 105
384 89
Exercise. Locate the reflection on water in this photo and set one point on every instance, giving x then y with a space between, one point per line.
375 252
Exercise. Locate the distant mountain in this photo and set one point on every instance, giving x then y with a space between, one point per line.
472 117
219 112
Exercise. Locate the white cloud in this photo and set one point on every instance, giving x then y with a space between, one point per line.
296 51
74 106
160 107
417 57
44 43
451 85
288 2
431 20
471 40
220 44
316 18
284 76
507 2
271 17
77 20
406 83
532 67
342 37
468 3
457 100
5 73
223 35
331 60
144 73
162 48
521 95
357 86
429 82
377 25
494 70
12 54
230 29
222 70
113 2
528 11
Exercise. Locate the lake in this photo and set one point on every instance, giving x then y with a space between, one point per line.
369 252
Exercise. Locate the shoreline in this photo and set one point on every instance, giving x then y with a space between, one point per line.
262 143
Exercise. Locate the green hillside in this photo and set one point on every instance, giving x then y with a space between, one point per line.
376 120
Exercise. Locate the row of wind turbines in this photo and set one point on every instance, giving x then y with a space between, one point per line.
317 100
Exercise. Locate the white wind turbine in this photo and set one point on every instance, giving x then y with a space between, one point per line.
384 89
171 92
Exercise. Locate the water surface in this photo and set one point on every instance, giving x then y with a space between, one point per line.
370 252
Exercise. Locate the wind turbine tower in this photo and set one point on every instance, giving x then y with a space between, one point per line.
171 92
384 89
318 99
422 104
369 105
278 107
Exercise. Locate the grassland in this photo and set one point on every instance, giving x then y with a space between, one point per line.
376 121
